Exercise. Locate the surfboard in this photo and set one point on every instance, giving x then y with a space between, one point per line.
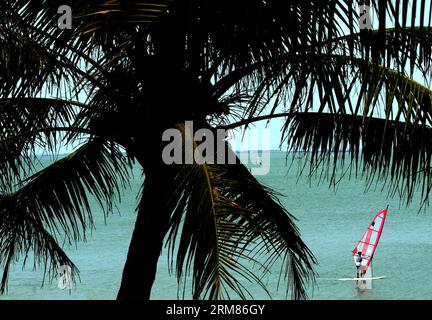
361 279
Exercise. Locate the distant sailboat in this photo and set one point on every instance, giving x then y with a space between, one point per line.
367 246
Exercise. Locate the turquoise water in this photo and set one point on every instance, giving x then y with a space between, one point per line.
330 222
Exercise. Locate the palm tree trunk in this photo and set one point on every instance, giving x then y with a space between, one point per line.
147 240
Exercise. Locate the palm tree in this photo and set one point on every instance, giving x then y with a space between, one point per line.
129 70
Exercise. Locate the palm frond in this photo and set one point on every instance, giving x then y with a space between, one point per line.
26 66
295 74
394 151
119 14
34 60
338 87
23 233
55 202
23 122
230 223
98 24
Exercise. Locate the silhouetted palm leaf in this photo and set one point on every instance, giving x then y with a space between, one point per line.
330 92
231 222
25 125
54 202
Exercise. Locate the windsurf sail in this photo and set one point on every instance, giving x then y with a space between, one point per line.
369 241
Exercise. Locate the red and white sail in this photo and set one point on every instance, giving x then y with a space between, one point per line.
369 241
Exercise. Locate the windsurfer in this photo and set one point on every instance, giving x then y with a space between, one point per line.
358 262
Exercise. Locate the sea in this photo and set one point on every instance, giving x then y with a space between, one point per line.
331 220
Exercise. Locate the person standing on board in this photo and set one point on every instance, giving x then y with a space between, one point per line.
358 262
